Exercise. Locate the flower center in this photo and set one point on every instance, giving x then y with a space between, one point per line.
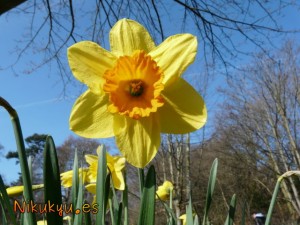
134 86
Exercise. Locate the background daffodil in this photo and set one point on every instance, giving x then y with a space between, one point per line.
66 177
41 222
183 218
115 165
135 91
18 190
164 190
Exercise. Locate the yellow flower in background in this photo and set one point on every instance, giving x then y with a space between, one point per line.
41 222
115 165
92 189
183 218
66 177
18 190
135 91
164 190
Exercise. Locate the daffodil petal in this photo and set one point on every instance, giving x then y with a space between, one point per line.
41 222
184 110
118 180
138 140
119 163
90 118
91 188
88 62
183 218
174 55
126 36
90 159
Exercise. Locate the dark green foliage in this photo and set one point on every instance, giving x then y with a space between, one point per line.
147 211
52 187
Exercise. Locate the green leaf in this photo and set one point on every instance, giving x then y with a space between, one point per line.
210 190
231 211
147 216
273 200
119 218
172 217
75 182
5 203
101 194
125 201
113 204
28 195
87 217
79 215
189 213
107 190
52 184
196 220
141 180
243 222
4 219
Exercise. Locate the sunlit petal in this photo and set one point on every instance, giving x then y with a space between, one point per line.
119 163
184 110
18 190
183 218
118 180
164 190
138 140
90 118
126 36
91 159
88 62
91 188
174 55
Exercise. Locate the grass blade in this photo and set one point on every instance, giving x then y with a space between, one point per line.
119 218
196 220
125 202
141 180
87 218
172 217
231 211
210 190
147 216
75 183
78 209
101 194
52 186
243 222
28 195
189 213
5 203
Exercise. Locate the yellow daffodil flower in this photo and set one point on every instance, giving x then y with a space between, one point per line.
66 177
183 218
92 189
135 90
115 164
164 190
41 222
18 190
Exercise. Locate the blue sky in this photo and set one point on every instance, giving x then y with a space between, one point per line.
37 96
